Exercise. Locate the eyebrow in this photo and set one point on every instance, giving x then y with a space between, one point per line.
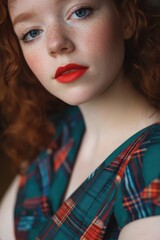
24 16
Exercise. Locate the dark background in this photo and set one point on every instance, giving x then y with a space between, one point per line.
6 175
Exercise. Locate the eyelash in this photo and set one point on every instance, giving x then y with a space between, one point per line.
24 36
89 9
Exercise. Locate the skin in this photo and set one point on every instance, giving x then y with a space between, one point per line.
103 91
7 209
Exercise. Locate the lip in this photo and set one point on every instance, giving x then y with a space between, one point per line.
70 73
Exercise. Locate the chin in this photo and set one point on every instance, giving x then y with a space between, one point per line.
76 101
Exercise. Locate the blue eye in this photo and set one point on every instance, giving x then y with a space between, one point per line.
82 12
31 35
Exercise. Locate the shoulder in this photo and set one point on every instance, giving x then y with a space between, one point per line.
144 165
7 211
37 179
147 156
146 229
141 181
65 124
139 193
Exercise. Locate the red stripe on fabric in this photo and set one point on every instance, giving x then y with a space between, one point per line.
61 155
152 192
95 231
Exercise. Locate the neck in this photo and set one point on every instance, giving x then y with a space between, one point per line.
120 111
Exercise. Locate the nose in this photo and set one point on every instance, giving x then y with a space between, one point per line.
59 41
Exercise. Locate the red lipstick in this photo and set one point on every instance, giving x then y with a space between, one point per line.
70 73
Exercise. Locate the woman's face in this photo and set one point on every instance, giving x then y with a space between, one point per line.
85 36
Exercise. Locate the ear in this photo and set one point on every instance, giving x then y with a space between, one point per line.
128 23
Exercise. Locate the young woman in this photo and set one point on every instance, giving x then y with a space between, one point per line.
91 171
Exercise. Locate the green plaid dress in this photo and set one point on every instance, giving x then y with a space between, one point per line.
125 187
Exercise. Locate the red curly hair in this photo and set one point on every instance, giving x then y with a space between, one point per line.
25 105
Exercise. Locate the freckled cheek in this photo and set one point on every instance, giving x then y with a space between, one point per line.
103 37
35 62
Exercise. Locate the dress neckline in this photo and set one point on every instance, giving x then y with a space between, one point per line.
78 134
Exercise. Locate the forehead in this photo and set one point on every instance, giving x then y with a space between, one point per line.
23 3
17 7
14 3
43 7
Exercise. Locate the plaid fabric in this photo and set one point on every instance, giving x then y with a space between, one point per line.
142 193
152 192
119 191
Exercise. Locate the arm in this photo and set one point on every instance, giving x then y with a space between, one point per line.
7 211
143 229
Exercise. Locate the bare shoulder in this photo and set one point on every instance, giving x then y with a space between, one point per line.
7 210
143 229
